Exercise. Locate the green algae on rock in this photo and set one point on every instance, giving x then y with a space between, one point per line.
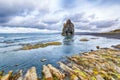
40 45
84 39
52 73
102 64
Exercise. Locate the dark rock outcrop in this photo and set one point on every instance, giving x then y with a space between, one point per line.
68 28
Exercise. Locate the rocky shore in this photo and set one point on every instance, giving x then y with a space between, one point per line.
107 35
102 64
115 34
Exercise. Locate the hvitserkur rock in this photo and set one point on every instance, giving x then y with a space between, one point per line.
68 28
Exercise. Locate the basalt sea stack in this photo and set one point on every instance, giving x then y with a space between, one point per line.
68 28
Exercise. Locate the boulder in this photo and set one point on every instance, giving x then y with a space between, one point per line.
47 74
31 74
59 75
68 28
18 75
7 76
43 60
84 39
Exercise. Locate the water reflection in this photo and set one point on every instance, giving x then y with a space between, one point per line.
68 40
68 44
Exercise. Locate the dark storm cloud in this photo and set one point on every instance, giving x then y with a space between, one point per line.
89 23
77 17
9 10
85 27
80 17
50 21
4 19
27 24
104 23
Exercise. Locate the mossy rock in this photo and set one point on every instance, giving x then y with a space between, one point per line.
39 45
84 39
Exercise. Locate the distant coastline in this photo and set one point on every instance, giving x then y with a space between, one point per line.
112 34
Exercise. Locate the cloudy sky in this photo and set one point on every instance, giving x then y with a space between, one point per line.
19 16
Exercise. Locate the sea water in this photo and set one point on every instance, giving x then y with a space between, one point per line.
10 55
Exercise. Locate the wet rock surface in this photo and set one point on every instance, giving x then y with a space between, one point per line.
102 64
68 28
